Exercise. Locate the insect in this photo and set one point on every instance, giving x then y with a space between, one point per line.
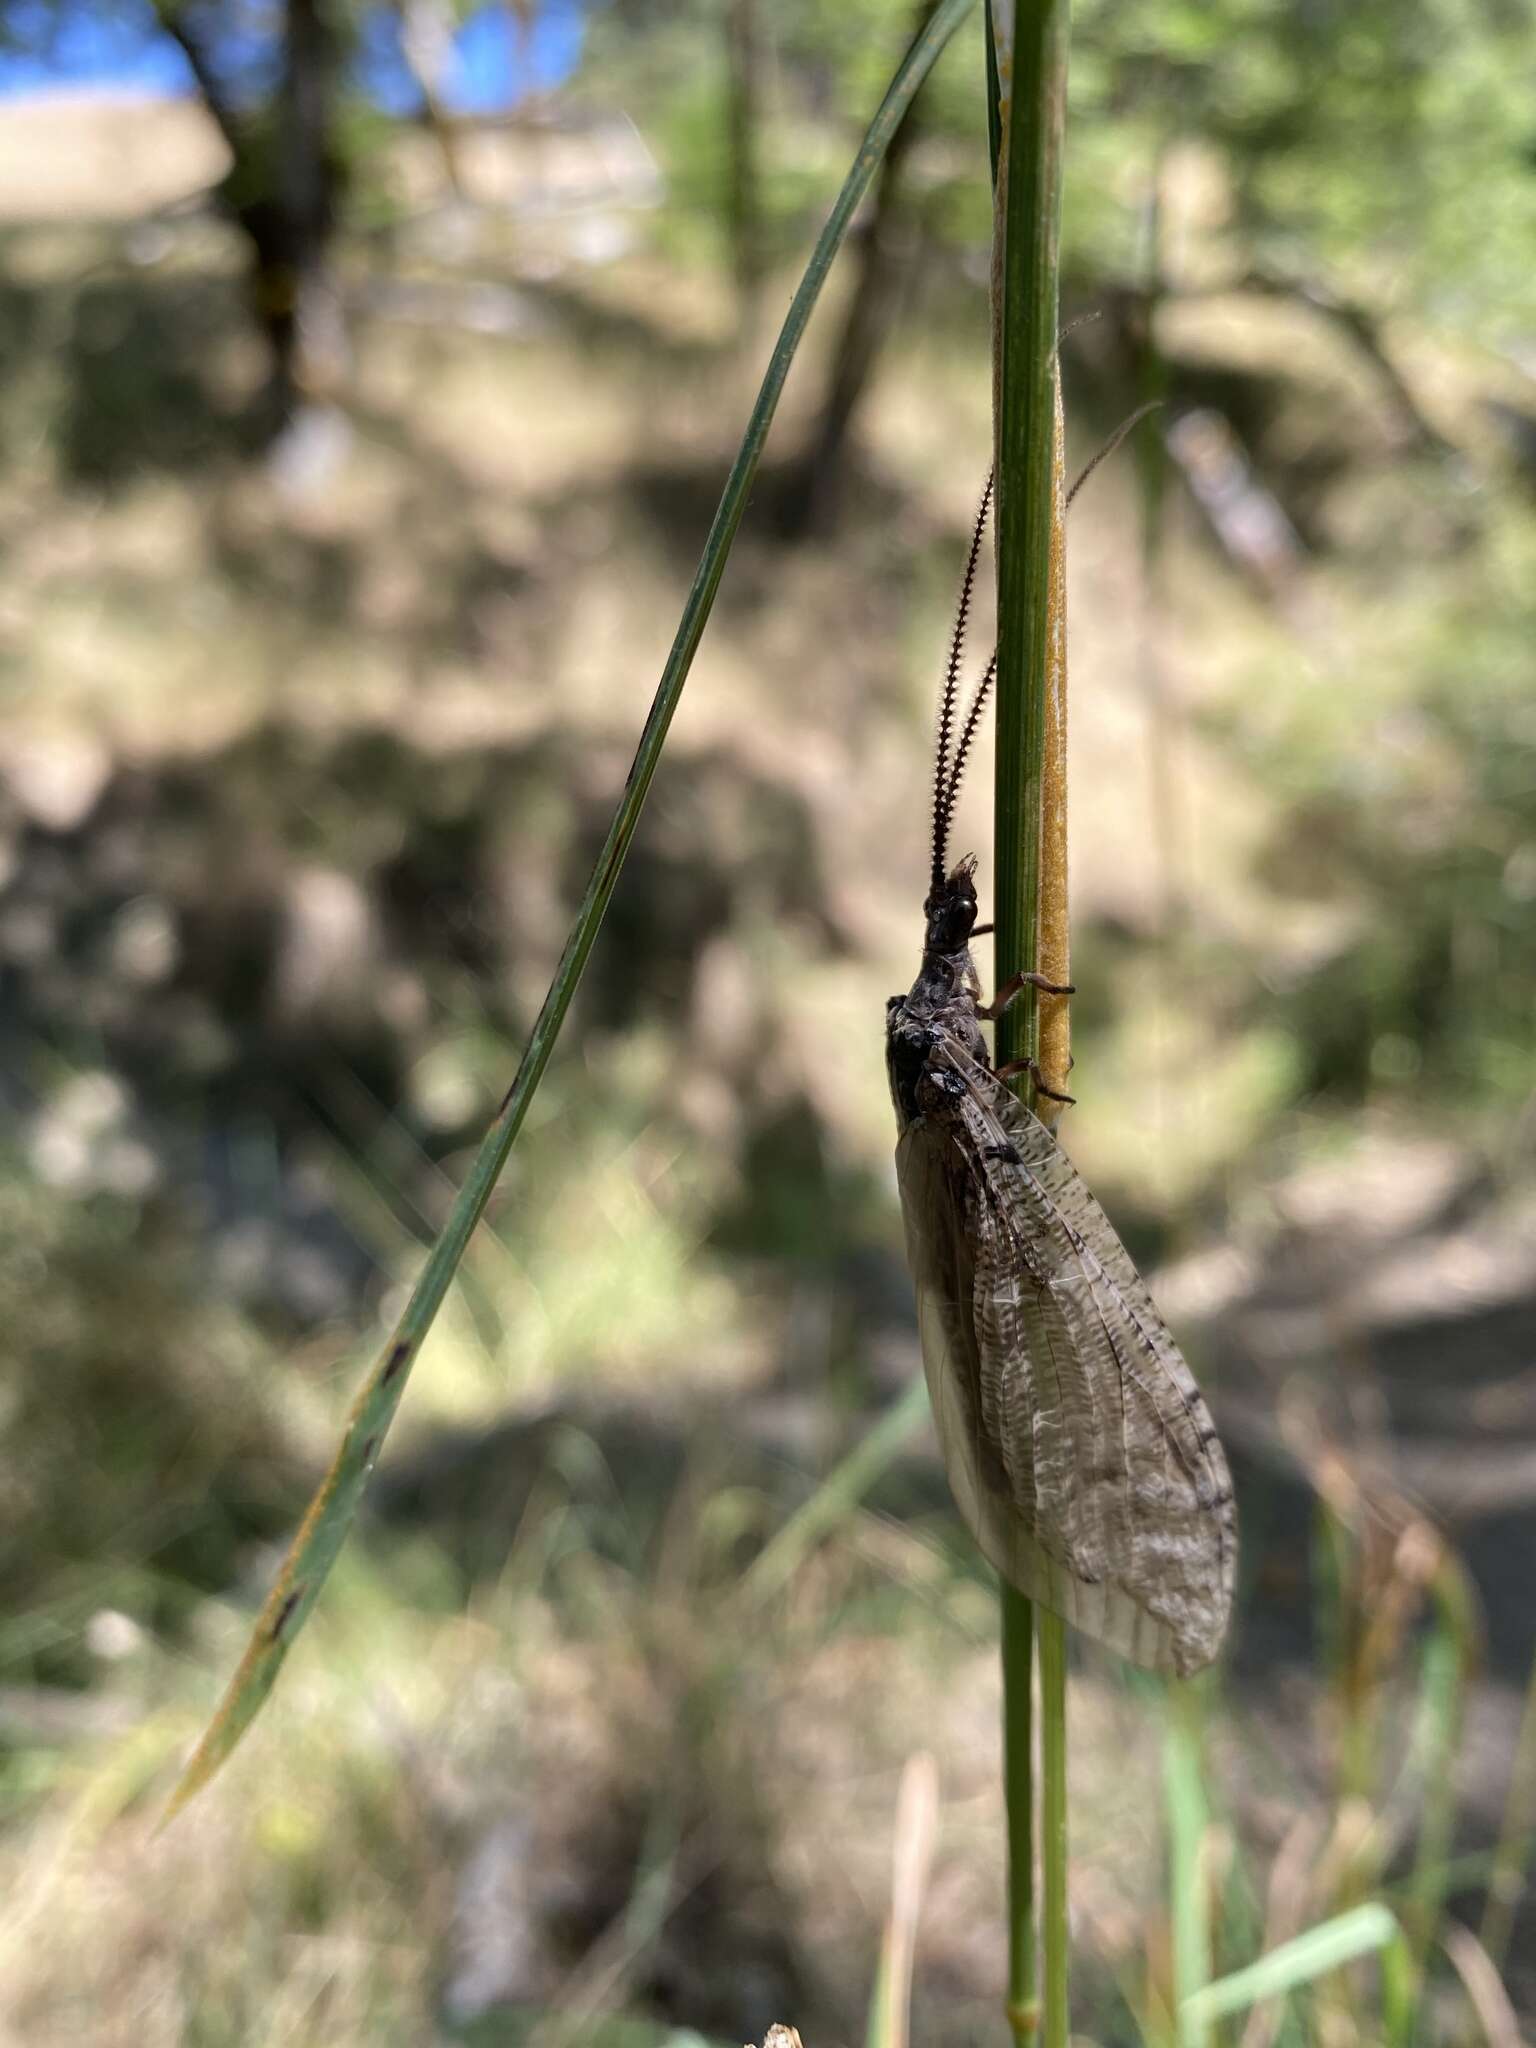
1079 1450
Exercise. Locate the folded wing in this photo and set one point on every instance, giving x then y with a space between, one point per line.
1081 1453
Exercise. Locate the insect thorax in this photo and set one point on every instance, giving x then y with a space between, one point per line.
939 1007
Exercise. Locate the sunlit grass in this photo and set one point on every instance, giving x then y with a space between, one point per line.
324 1885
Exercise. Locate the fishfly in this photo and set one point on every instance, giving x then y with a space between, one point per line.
1080 1452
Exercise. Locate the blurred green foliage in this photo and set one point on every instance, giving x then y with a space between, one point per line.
1387 153
1386 150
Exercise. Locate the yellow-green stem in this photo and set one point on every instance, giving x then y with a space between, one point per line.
1019 1798
1189 1890
1025 321
1051 1632
1027 64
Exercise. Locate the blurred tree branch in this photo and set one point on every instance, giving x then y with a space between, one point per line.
883 271
282 191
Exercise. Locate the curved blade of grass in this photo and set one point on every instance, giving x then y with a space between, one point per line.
1483 1985
1361 1932
329 1515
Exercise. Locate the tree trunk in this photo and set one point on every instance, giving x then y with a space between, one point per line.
281 192
311 345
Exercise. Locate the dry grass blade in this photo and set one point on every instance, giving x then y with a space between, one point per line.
1483 1986
917 1817
1055 961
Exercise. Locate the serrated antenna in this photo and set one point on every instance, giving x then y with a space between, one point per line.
943 783
946 789
967 734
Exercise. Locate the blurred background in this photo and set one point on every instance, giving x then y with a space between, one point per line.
370 375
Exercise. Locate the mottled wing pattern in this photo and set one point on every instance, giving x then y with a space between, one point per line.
1080 1451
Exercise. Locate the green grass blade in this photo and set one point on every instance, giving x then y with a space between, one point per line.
329 1516
1188 1825
1055 1934
1018 1647
1363 1931
837 1497
1027 71
1025 317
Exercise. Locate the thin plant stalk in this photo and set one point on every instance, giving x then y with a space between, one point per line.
1163 792
1189 1888
1025 321
1054 947
330 1514
1027 66
1018 1633
1051 1640
1055 1057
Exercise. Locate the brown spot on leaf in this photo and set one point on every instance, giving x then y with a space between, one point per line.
285 1613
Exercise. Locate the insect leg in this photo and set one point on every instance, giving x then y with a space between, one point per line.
1005 995
1011 1068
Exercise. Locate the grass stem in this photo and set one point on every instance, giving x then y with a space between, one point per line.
1051 1636
1033 84
1027 67
1188 1881
1019 1799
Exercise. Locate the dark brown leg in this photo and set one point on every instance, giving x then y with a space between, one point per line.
1012 1068
1005 995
